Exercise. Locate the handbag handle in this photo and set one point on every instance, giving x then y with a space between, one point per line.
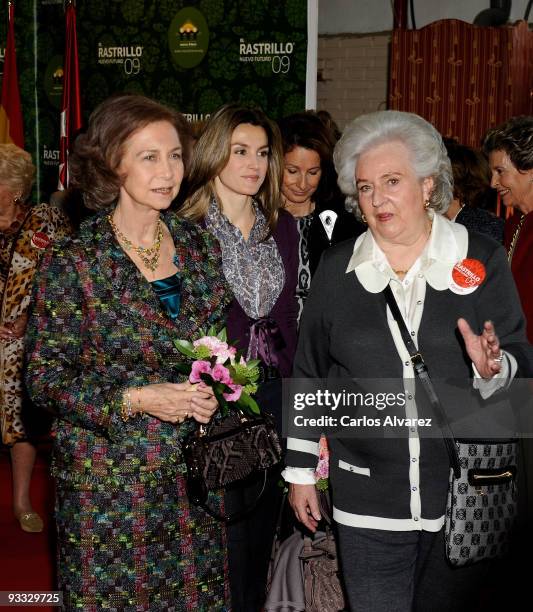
235 516
422 372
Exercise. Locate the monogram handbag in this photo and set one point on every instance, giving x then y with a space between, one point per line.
229 450
481 506
482 494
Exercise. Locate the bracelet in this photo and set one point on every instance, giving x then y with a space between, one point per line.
139 411
125 409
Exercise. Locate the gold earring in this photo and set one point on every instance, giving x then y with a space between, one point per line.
426 204
363 218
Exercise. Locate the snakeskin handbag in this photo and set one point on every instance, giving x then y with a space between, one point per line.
481 506
229 450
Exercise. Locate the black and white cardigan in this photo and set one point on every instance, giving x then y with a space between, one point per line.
346 331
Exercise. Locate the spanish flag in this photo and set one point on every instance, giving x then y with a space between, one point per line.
11 128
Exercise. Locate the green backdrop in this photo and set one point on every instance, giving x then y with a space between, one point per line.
192 55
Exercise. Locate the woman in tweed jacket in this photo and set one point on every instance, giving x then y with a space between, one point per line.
101 356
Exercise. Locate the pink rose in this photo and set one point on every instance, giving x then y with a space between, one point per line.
210 341
237 390
322 469
199 367
323 448
217 348
221 373
224 355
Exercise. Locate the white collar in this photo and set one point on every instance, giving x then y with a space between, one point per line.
447 245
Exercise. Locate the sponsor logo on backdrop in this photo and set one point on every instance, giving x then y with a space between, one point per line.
50 2
191 117
50 156
129 57
53 81
278 54
188 38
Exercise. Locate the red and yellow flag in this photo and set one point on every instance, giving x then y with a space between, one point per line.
11 128
70 119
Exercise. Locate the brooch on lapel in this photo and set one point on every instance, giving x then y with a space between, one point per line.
328 218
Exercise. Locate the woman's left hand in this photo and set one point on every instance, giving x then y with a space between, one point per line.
484 350
203 403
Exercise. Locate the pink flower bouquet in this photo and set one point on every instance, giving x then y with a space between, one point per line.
217 364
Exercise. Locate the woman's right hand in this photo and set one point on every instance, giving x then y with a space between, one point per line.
170 402
304 501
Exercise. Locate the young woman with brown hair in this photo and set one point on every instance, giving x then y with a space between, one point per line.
235 192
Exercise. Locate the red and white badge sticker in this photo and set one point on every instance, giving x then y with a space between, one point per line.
466 276
40 240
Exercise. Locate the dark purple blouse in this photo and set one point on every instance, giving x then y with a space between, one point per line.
285 310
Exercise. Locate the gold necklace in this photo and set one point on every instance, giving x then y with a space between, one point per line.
515 238
149 256
405 271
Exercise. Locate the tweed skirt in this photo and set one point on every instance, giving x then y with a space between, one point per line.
140 547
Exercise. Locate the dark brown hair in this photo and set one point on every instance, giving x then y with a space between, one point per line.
307 130
471 174
515 137
98 153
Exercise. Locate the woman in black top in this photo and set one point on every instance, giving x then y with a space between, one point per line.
311 195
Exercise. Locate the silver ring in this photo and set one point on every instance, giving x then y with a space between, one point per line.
499 359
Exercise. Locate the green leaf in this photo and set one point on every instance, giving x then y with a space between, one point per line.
238 379
222 401
208 380
322 484
183 368
248 404
223 335
185 348
212 331
253 363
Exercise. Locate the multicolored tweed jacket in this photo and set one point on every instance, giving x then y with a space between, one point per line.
96 328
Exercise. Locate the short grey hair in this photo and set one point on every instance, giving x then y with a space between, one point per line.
428 153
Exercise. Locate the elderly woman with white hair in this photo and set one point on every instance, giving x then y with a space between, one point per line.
25 233
389 494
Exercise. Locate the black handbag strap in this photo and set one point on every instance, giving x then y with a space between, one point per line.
422 372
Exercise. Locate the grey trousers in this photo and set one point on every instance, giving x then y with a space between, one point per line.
404 571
